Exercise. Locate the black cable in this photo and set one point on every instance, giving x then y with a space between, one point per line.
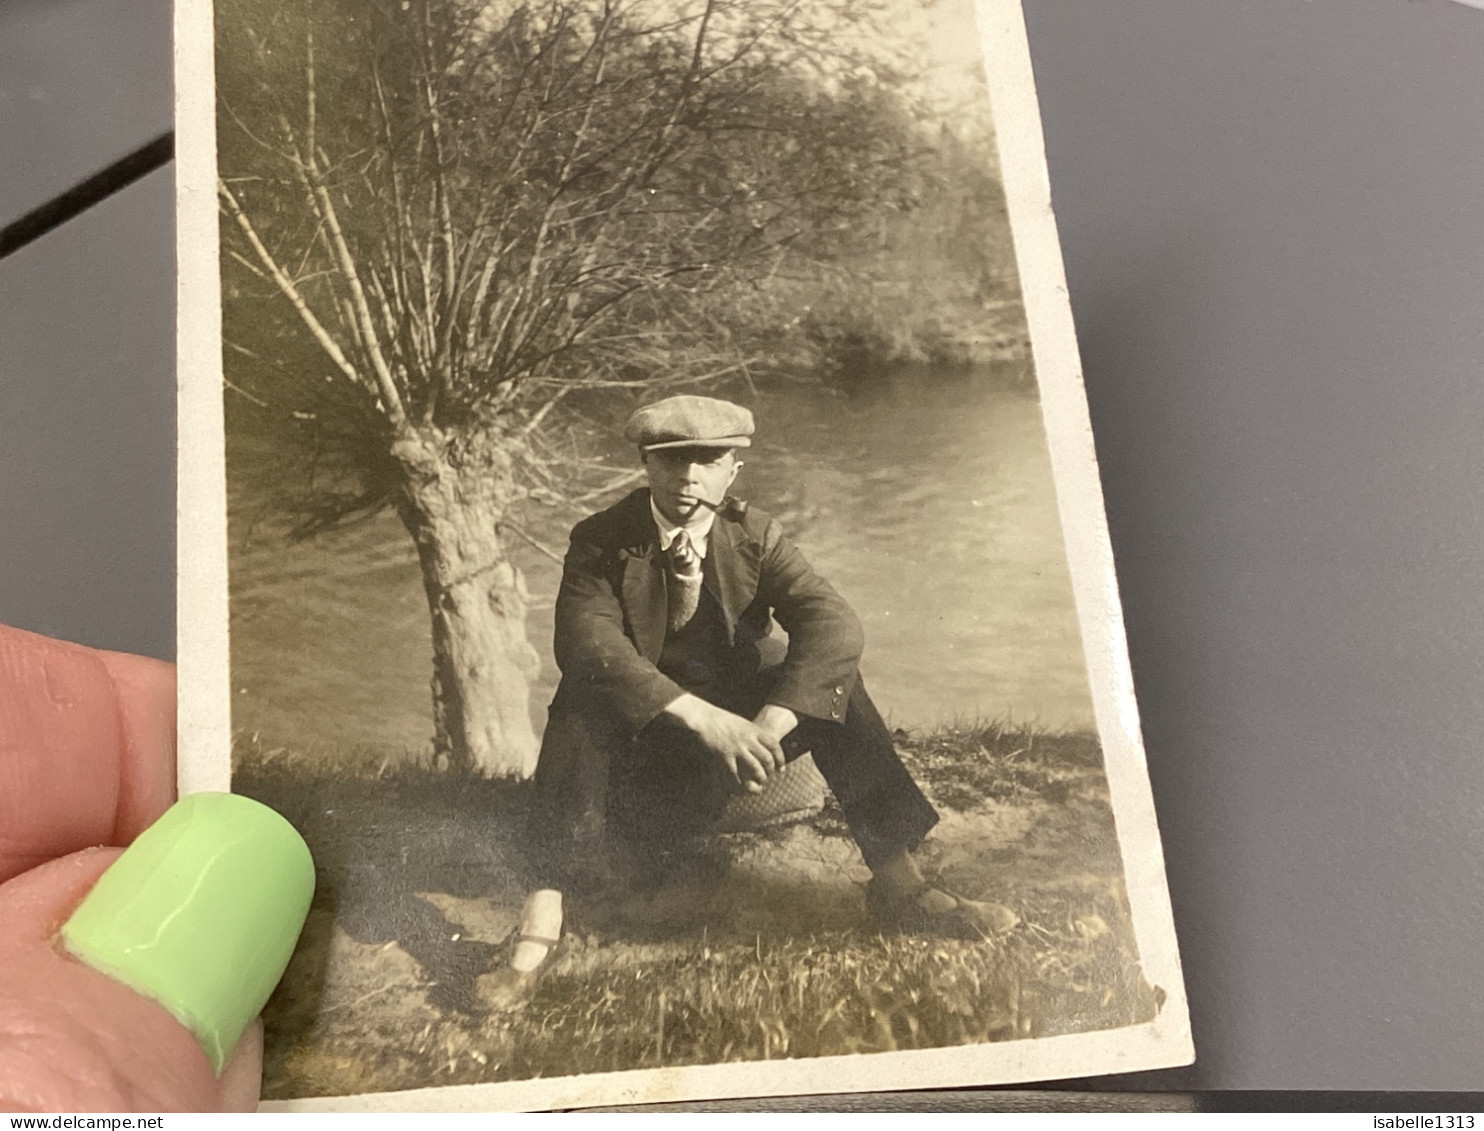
82 196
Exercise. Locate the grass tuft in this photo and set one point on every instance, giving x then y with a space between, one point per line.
965 764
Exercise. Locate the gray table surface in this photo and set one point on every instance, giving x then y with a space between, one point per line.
1273 221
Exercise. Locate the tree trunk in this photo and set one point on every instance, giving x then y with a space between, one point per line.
456 487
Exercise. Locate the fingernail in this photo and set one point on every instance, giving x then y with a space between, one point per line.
201 913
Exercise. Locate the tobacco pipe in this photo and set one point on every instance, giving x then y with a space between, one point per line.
730 507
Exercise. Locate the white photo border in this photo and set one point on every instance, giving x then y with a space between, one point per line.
204 657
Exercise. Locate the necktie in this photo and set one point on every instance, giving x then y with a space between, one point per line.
685 581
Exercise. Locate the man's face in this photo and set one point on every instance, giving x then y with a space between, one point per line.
678 477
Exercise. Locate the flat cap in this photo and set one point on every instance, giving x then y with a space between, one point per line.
690 422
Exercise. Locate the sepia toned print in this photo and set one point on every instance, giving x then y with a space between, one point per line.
639 524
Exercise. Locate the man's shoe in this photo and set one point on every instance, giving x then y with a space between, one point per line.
915 911
510 987
507 989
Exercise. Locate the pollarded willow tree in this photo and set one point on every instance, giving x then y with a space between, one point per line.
477 210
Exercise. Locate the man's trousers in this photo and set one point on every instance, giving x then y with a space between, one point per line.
597 781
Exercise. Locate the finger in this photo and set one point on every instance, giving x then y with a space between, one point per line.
767 752
241 1082
127 989
144 690
750 775
72 1039
775 751
86 747
751 767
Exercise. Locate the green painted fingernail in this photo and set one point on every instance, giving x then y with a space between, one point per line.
201 913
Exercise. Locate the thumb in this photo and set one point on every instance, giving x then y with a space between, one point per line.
129 980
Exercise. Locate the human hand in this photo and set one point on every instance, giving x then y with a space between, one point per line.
749 753
87 759
776 721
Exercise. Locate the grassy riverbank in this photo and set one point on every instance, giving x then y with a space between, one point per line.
757 946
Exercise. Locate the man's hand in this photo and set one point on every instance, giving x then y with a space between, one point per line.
776 721
749 752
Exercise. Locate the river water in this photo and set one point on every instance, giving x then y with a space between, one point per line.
928 501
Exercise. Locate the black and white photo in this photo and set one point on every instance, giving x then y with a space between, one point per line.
639 523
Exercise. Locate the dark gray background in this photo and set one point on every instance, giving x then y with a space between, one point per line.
1273 221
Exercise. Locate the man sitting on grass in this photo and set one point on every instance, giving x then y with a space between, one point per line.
674 697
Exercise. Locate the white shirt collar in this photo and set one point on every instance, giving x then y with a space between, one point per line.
699 530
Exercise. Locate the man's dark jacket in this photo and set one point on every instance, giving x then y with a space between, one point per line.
611 614
597 767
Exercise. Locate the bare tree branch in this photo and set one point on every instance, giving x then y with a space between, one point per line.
289 290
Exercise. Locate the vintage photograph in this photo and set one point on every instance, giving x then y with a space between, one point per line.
639 524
